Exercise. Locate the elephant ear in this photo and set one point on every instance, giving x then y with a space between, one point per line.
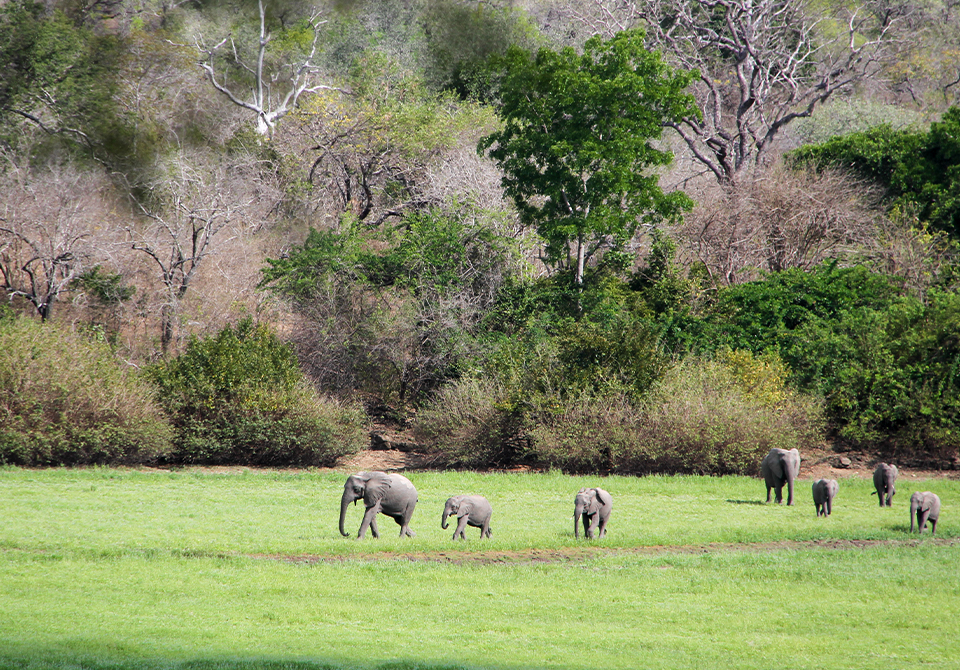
464 509
377 485
604 497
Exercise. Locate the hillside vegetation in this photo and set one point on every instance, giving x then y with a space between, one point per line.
603 238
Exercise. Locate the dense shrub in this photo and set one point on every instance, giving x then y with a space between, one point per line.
240 397
470 424
65 399
704 416
710 416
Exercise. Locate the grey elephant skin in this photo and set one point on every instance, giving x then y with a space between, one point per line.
780 467
473 511
382 493
594 505
884 477
924 507
824 491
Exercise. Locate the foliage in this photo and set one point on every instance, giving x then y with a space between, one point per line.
884 363
61 78
393 312
68 400
470 424
239 397
703 416
461 38
577 144
919 169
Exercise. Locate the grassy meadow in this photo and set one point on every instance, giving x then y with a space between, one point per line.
113 568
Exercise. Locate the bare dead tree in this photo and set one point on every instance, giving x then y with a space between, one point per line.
196 202
762 63
47 223
274 93
777 220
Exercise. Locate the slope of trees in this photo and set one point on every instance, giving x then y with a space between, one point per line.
291 192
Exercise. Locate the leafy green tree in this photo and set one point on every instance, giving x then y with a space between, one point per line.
920 170
577 145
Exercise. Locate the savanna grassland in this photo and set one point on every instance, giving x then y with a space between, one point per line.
194 569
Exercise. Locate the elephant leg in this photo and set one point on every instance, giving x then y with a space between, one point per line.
769 489
370 521
779 493
485 531
594 524
922 520
461 528
933 526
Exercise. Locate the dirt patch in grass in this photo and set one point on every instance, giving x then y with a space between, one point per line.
581 554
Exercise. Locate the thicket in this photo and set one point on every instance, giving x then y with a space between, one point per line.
884 361
240 397
66 399
919 169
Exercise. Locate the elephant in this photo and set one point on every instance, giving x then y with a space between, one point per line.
391 494
925 507
884 477
824 491
595 505
780 467
470 511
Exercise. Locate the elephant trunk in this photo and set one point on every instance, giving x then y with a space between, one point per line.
576 521
344 502
447 512
914 506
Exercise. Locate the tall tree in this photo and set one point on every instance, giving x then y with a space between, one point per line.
762 63
275 84
577 144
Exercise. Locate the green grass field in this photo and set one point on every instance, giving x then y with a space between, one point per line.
106 568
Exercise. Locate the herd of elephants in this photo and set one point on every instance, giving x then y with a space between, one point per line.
395 496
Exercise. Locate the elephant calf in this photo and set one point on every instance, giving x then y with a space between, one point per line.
595 505
884 477
471 511
924 507
824 491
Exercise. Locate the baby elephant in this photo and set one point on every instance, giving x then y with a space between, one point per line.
595 505
925 507
470 510
824 491
884 477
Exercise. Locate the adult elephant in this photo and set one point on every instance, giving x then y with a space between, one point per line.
824 491
884 476
382 493
470 510
780 467
924 506
595 506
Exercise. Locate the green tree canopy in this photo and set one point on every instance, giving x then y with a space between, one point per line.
577 144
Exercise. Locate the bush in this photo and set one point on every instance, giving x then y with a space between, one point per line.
470 425
65 399
240 397
704 416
